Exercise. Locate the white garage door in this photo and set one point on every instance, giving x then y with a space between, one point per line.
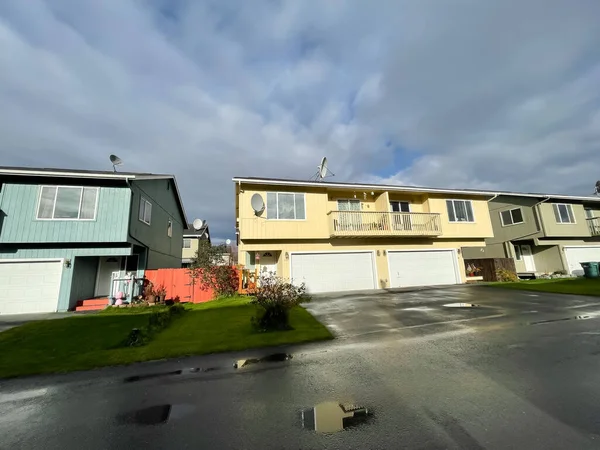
334 272
422 268
576 255
29 286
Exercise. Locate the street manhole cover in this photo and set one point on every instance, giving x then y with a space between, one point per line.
461 305
331 417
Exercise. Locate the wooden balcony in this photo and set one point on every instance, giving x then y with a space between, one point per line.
594 226
383 224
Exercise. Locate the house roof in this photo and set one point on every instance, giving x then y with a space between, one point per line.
400 188
93 174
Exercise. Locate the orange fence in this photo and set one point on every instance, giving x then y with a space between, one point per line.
179 283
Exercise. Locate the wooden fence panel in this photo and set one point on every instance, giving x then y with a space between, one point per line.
179 283
489 266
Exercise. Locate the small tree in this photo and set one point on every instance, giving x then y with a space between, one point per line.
275 298
212 271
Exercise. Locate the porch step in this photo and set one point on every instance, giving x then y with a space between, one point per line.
93 302
90 308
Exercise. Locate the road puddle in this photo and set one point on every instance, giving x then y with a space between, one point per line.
461 305
151 375
153 415
562 319
275 357
331 417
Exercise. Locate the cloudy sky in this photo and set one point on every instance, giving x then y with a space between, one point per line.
500 94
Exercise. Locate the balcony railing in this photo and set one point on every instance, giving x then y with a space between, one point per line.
362 223
594 226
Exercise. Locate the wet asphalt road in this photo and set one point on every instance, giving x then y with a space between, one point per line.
520 371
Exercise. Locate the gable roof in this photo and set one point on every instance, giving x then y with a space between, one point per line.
93 174
400 188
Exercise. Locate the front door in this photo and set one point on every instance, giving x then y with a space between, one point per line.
528 258
106 267
268 264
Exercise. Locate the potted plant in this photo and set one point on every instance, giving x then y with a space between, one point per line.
149 293
161 292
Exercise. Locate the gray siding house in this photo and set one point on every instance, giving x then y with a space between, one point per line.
543 233
64 233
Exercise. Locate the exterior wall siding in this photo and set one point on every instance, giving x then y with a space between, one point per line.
20 203
547 258
67 274
85 270
283 265
319 203
554 229
164 251
190 252
529 227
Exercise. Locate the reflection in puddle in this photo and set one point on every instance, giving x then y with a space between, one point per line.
151 375
560 320
461 305
275 357
329 417
153 415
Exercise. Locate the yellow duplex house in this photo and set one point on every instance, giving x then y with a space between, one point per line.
344 236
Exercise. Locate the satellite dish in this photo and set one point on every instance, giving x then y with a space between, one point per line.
258 204
322 170
197 224
115 161
323 167
228 242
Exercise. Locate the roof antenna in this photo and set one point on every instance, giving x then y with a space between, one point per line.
116 161
322 171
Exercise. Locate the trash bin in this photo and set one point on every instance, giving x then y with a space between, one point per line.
590 269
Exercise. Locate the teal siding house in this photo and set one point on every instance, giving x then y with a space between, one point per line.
65 234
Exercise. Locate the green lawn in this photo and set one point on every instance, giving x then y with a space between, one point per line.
86 342
581 286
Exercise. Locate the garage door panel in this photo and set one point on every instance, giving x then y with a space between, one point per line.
422 268
29 287
577 255
333 272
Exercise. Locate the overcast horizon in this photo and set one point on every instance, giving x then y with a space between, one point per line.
498 95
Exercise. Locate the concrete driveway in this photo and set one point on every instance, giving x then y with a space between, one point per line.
424 311
14 320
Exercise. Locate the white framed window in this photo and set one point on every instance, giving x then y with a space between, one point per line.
348 205
511 216
563 213
400 206
286 206
460 211
67 203
187 243
518 255
170 228
145 211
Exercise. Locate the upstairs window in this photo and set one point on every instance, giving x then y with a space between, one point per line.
285 206
67 203
511 217
145 211
460 211
187 243
563 213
